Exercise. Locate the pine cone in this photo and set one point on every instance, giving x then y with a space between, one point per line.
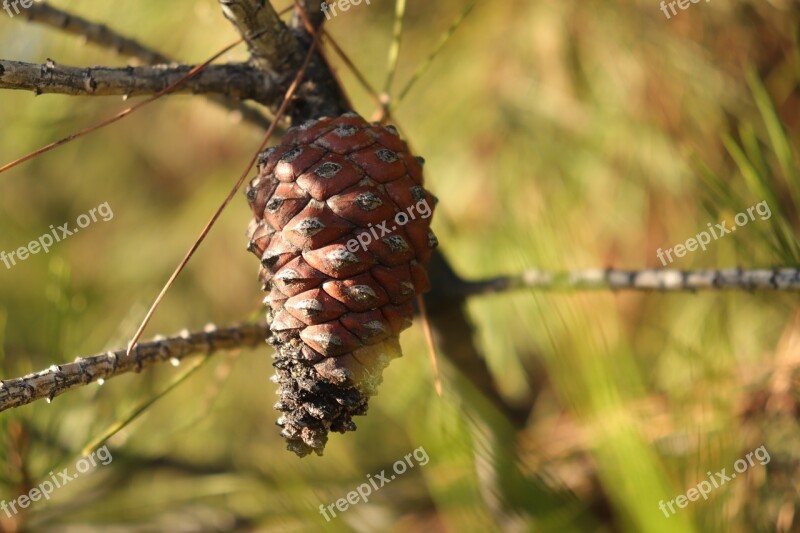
342 229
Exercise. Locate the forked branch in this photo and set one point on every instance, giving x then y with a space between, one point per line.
278 49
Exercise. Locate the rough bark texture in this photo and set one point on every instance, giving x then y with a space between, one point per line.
58 379
232 80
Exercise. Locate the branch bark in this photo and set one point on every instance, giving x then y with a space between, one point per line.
270 42
58 379
231 80
659 280
319 95
103 36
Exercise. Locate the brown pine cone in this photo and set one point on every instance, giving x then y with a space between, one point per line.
342 229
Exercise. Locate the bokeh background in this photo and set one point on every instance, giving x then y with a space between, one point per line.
559 134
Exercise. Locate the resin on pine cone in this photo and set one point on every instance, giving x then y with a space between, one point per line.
342 228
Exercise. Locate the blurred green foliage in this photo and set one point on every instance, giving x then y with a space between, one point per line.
559 134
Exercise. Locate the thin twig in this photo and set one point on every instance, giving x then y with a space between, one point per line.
660 280
58 379
232 80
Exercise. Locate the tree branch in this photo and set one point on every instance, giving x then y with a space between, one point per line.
103 36
232 80
270 42
659 280
277 49
60 378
